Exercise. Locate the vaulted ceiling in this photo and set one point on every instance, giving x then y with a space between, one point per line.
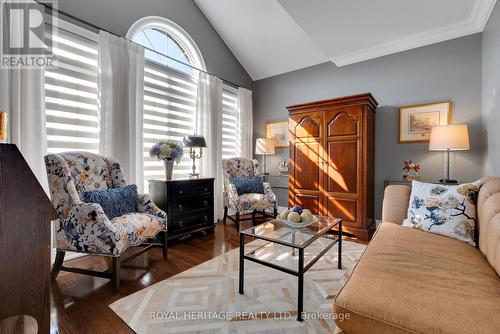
271 37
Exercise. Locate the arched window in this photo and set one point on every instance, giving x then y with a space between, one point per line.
170 88
166 37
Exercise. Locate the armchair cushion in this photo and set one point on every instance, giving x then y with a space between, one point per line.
247 202
248 184
134 228
116 201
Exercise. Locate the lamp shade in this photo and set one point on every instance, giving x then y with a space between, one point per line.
265 146
194 141
449 138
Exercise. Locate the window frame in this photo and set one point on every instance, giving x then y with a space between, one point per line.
172 29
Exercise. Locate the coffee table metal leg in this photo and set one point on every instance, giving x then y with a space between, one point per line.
340 245
300 286
242 263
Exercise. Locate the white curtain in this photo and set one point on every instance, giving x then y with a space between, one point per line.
209 125
121 95
22 96
246 122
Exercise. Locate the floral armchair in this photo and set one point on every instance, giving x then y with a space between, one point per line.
84 227
246 203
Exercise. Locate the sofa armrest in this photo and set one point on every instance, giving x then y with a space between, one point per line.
395 205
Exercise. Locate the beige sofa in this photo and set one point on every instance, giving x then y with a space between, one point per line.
409 281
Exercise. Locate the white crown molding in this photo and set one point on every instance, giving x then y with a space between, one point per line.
474 24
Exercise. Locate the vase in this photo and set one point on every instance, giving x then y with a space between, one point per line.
169 168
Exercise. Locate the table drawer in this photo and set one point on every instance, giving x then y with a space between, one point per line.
193 188
186 221
188 205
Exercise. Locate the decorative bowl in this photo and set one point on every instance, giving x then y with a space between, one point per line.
301 224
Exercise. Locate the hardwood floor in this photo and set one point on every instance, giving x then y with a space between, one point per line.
79 304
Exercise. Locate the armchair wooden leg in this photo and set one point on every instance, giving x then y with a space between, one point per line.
225 215
116 273
254 212
57 264
275 211
165 245
237 222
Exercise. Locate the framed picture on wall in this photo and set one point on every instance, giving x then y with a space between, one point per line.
416 122
3 127
279 132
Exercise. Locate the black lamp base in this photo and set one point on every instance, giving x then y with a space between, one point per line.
448 181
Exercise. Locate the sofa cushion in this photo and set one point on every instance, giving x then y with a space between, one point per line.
409 281
489 221
448 210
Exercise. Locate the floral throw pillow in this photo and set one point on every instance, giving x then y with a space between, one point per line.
449 210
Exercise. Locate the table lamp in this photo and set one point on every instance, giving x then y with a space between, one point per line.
265 147
194 142
449 138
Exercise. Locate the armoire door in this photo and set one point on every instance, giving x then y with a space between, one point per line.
306 176
343 164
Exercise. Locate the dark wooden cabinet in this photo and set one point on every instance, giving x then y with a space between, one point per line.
25 215
189 204
332 160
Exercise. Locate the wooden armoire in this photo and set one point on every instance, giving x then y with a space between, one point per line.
332 146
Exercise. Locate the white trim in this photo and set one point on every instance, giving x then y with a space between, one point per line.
474 24
172 28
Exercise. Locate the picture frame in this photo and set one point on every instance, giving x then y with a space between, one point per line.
416 121
279 132
3 127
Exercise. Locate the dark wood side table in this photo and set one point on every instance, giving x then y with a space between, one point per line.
408 183
396 182
189 204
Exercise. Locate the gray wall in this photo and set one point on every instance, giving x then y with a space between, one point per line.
444 71
491 92
118 15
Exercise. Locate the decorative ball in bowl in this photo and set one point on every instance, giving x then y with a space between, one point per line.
297 217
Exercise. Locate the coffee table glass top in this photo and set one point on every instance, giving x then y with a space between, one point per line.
277 231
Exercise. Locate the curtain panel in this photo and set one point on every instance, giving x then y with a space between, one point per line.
121 99
209 124
246 121
22 97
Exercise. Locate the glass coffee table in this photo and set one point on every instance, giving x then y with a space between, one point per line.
285 249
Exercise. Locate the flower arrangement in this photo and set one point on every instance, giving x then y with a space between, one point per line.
408 167
167 150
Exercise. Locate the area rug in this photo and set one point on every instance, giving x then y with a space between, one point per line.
205 298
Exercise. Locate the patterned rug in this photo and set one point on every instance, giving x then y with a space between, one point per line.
205 299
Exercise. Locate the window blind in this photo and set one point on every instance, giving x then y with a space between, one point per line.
71 92
231 134
169 113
